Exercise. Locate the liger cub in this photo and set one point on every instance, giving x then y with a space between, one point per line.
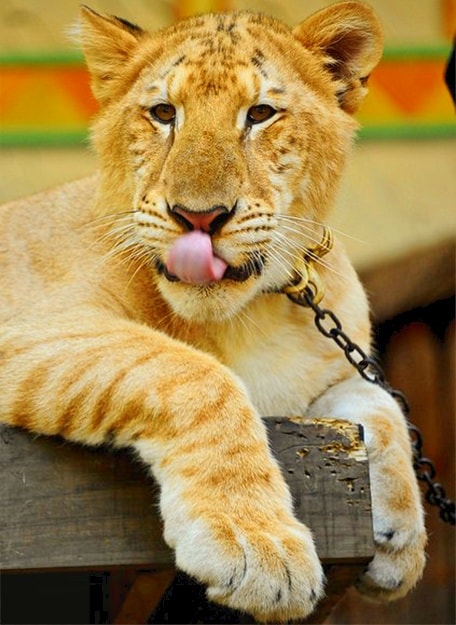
142 306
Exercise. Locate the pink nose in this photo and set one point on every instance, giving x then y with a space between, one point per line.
207 221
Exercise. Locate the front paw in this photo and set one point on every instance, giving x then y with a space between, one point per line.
399 536
267 567
393 572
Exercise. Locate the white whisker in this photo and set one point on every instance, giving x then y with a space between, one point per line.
293 254
306 221
314 238
279 257
247 321
142 260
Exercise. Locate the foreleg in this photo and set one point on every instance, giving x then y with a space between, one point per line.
94 378
398 519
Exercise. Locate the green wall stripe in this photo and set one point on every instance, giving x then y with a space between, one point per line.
81 138
74 57
412 53
78 138
408 131
42 58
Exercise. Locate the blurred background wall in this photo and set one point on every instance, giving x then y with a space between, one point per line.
396 205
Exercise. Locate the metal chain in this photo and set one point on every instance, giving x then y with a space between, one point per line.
368 368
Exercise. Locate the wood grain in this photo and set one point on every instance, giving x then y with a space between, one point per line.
65 506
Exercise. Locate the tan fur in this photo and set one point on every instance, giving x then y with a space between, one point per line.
98 345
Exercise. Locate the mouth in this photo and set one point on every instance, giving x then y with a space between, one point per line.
253 267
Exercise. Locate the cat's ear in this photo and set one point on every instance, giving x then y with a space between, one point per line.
348 39
107 43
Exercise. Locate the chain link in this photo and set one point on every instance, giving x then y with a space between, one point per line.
368 368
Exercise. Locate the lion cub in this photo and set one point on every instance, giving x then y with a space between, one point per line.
142 306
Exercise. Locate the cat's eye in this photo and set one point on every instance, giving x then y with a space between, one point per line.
260 113
163 113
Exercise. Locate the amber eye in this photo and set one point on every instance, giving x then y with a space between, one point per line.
260 113
163 113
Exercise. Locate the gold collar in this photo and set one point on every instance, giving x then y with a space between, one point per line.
305 273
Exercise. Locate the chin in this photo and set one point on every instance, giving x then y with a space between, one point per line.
212 302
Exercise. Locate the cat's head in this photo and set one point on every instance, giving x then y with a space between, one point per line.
222 140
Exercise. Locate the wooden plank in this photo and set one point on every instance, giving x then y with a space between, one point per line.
65 506
68 506
325 465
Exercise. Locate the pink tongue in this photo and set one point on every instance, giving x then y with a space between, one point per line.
192 259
